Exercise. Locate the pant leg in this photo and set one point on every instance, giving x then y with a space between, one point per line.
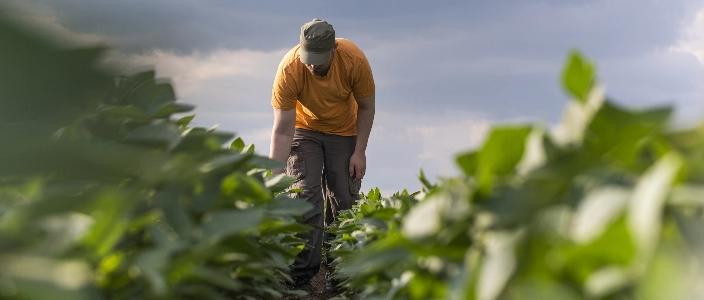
306 164
342 192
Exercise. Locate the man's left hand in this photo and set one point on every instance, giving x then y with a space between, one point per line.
358 165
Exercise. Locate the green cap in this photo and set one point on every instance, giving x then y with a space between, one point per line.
317 39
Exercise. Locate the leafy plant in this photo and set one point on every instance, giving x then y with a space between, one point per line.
606 205
373 220
103 195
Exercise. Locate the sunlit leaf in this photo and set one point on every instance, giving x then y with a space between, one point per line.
498 266
578 76
646 204
468 162
237 145
598 210
184 121
501 152
666 277
577 117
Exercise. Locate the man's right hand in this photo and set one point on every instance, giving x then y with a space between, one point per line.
282 136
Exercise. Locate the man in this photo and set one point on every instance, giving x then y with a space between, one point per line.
323 99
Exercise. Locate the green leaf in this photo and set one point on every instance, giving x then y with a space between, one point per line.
597 211
577 117
216 278
375 194
578 76
424 220
623 135
284 205
172 108
110 223
29 289
248 149
501 152
688 140
152 265
498 266
266 163
614 247
196 140
20 215
207 192
241 185
221 223
126 84
203 291
427 186
123 111
278 183
237 144
468 162
276 228
377 223
222 161
151 96
535 153
385 214
184 121
374 261
175 213
543 289
646 205
667 277
157 133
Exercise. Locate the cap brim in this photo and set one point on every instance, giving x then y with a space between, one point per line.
313 58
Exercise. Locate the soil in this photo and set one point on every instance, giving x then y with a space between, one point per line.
318 292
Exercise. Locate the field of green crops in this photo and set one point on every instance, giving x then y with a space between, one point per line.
105 194
606 205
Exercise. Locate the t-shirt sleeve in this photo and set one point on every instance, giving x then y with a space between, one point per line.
283 94
363 81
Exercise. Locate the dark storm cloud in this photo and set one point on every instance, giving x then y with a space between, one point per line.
488 26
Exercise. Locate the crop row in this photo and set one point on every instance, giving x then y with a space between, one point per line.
106 194
606 205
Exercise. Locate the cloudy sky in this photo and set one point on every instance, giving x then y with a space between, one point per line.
446 71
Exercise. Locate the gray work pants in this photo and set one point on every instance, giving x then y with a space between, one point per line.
320 163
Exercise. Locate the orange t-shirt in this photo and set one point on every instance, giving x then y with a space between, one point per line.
325 104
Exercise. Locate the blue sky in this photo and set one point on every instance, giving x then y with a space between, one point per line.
446 71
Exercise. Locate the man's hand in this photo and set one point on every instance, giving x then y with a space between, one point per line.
365 119
282 136
358 165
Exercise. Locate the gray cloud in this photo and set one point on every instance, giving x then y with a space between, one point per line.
526 27
500 60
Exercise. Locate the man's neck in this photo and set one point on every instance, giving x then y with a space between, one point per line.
332 60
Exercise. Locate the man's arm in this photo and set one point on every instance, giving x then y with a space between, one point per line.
365 119
282 136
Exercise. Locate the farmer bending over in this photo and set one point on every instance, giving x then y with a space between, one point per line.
323 99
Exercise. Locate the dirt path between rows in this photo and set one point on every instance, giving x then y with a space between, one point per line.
318 292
